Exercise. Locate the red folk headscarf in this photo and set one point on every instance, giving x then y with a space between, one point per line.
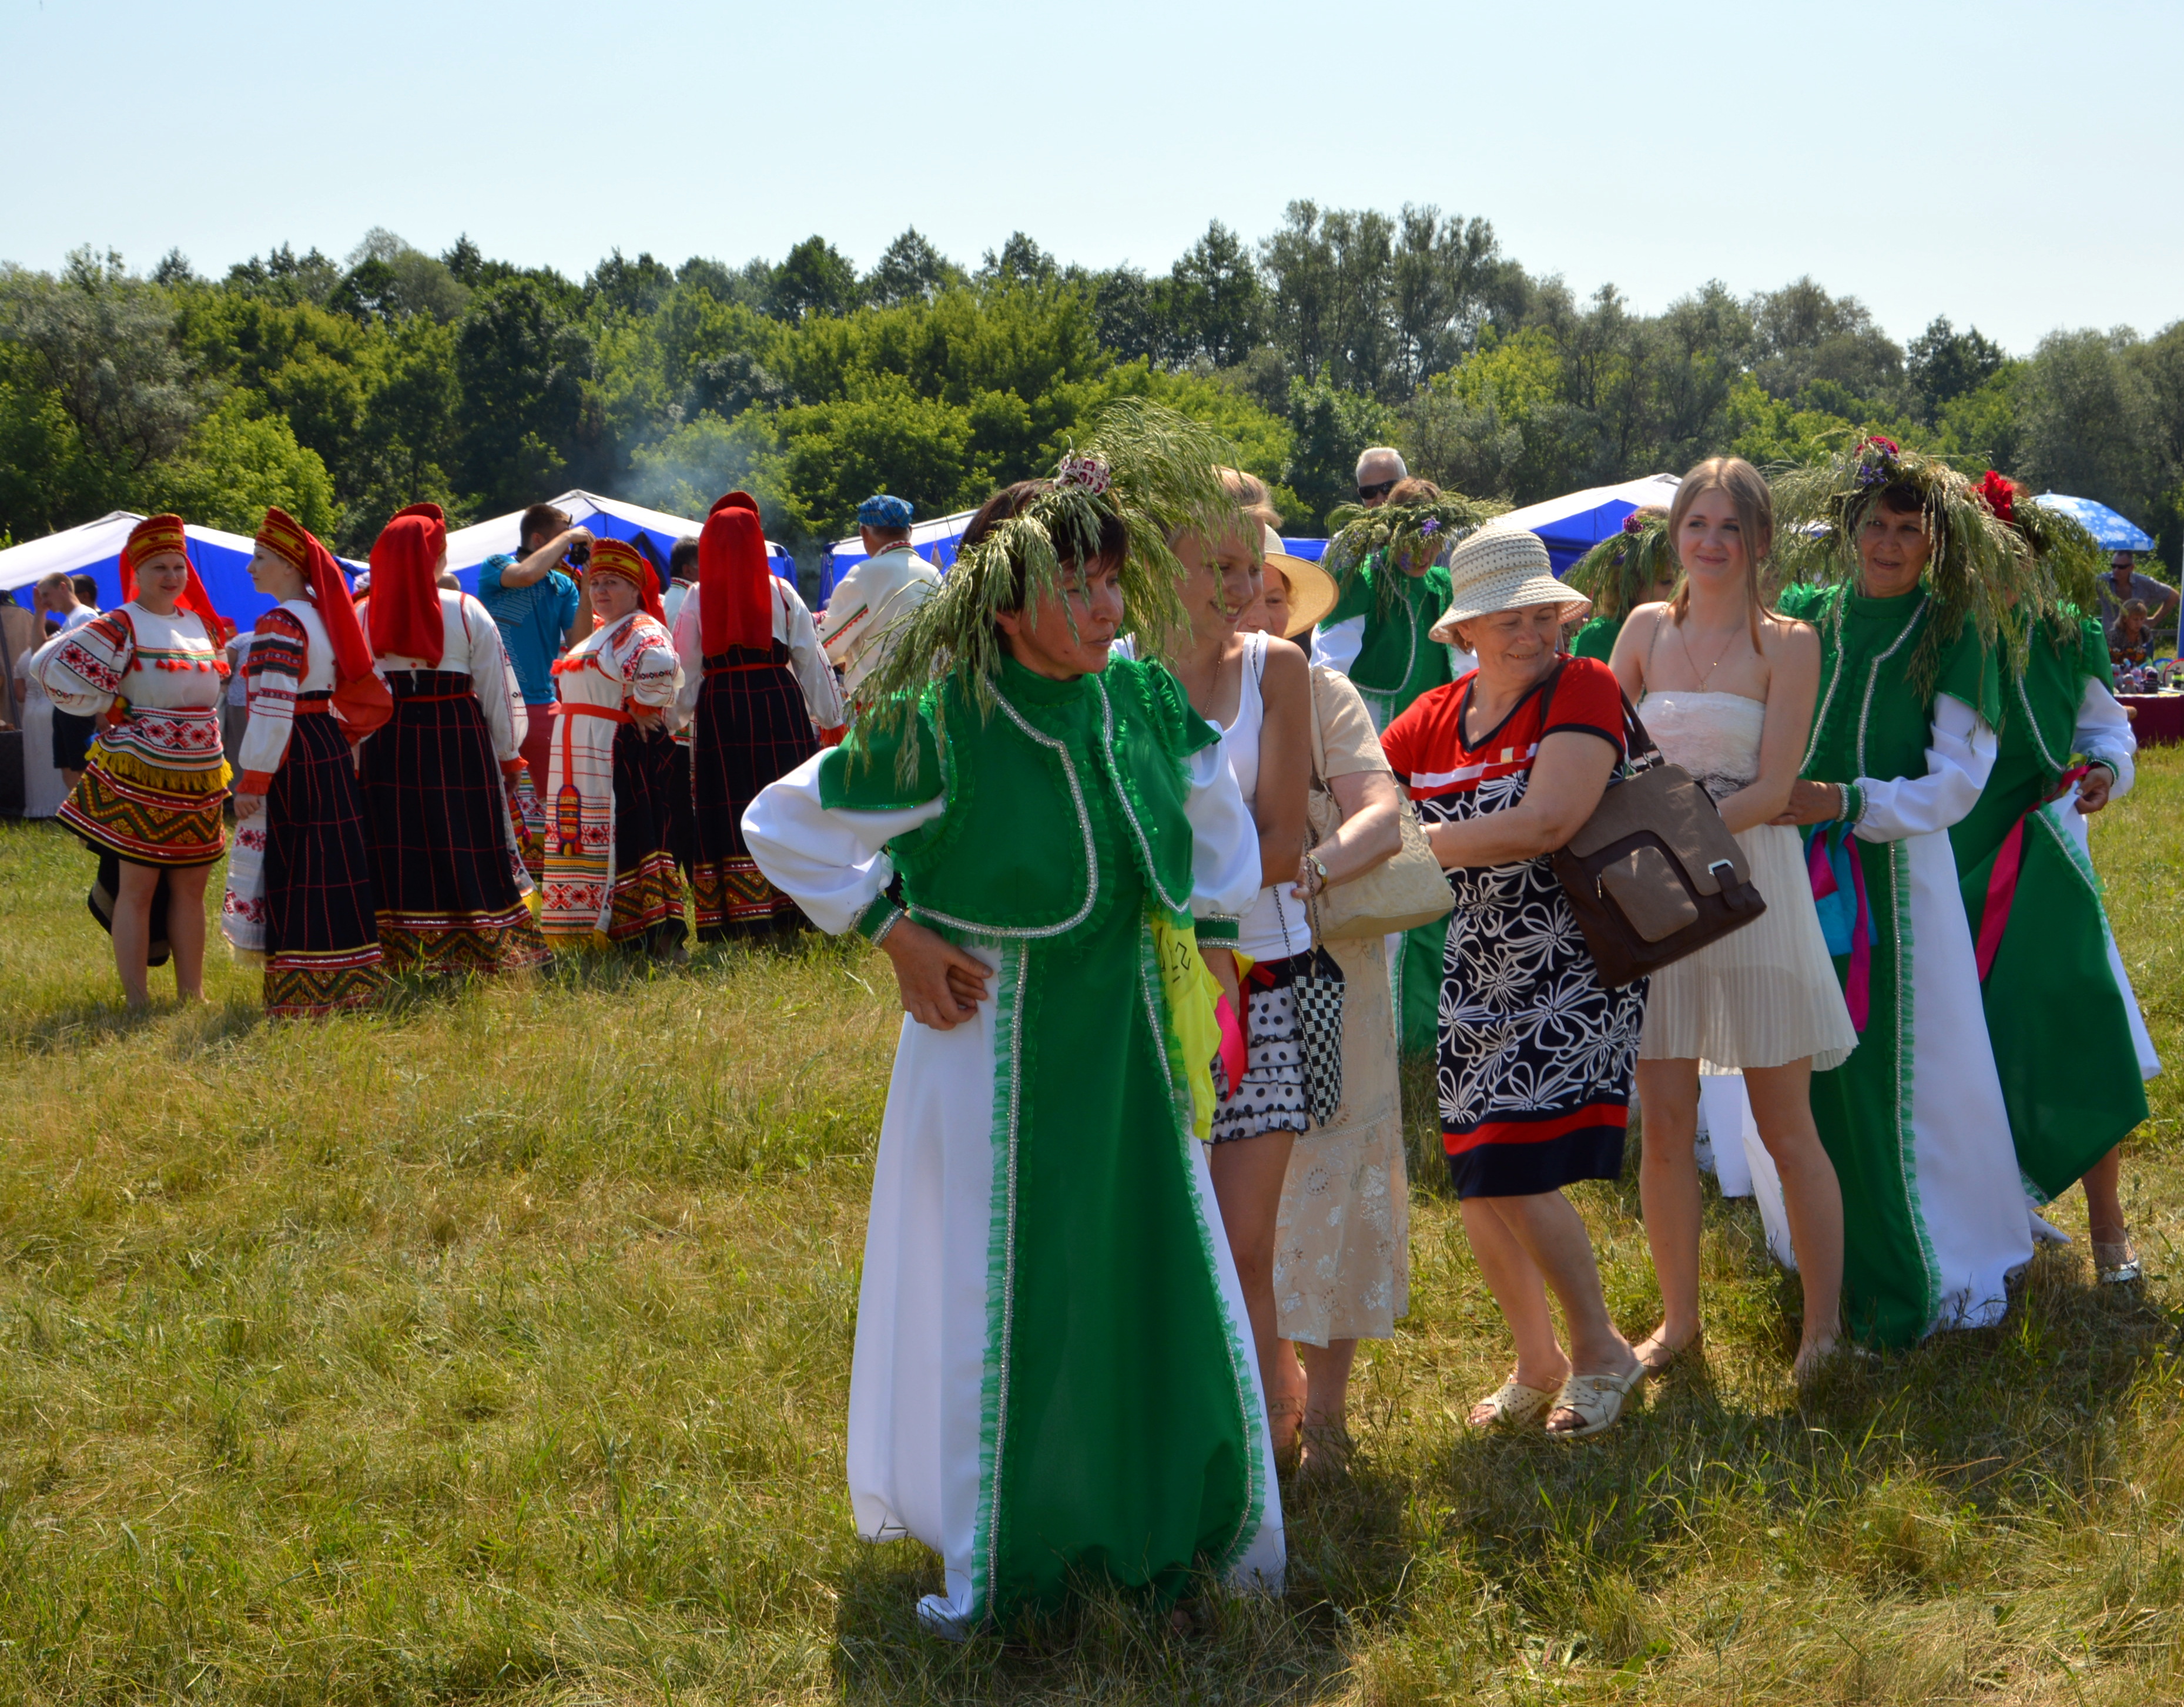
161 533
614 557
406 595
735 586
360 698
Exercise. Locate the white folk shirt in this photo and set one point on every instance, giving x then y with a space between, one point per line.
470 645
290 654
868 602
163 672
792 627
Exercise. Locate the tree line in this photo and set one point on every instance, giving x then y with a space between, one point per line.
344 390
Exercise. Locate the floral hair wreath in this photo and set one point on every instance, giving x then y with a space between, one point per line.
1978 566
1393 532
1621 572
2066 558
1152 470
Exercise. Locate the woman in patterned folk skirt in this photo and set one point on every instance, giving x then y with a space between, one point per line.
149 802
299 881
755 685
610 860
446 874
1505 763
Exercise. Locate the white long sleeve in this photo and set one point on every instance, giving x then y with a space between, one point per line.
2104 733
506 720
807 659
1960 757
1337 644
690 652
831 862
1224 847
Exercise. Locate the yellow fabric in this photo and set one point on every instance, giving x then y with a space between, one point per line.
120 762
1192 991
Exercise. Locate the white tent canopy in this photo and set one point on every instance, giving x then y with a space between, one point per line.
1572 524
94 548
609 518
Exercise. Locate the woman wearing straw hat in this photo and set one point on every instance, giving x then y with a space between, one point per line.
1505 763
1342 1269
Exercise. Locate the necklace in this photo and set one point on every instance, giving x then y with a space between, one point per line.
1706 675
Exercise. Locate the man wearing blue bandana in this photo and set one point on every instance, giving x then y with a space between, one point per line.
874 597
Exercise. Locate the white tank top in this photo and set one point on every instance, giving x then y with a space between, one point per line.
1274 925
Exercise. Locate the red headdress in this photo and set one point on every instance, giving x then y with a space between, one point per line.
735 585
360 698
162 533
405 596
613 557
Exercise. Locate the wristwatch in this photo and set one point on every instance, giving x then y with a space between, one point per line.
1320 866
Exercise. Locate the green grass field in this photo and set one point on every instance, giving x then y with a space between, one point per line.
495 1348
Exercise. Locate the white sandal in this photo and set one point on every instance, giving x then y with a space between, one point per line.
1596 1399
1514 1404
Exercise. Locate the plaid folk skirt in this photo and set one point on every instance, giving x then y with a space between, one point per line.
751 728
299 881
447 879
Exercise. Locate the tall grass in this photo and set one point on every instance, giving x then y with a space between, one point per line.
495 1348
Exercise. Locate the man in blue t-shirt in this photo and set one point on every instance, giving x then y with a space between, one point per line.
540 610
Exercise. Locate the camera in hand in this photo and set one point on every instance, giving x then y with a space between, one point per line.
578 554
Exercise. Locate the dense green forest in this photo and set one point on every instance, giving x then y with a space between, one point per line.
345 390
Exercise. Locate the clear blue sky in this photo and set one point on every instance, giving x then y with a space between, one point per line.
2015 166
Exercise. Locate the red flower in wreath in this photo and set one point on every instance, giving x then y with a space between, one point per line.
1999 493
1631 524
1886 447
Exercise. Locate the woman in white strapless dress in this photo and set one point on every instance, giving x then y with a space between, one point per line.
1726 688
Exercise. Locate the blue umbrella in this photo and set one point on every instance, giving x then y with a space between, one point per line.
2110 532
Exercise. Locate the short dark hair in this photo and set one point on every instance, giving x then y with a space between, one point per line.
539 518
683 556
86 589
1901 498
1012 500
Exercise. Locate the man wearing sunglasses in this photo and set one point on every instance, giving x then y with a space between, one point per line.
1378 471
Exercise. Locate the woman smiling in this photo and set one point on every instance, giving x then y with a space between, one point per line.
1505 763
1934 1219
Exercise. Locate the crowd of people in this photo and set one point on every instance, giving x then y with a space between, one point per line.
1175 840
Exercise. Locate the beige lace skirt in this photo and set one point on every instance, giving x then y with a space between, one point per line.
1761 997
1342 1254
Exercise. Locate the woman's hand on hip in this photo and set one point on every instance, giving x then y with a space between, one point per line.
940 985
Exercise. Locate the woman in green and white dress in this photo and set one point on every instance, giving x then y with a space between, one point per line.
1053 1381
1904 740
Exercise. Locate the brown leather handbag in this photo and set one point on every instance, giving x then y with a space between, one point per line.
1654 875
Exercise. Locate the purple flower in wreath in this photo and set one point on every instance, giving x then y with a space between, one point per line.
1430 525
1631 524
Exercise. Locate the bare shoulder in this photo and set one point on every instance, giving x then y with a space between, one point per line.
1287 667
1787 640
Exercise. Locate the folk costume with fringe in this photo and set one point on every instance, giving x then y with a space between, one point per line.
446 876
1910 700
156 776
609 856
2069 1041
1045 1248
760 698
1380 635
300 893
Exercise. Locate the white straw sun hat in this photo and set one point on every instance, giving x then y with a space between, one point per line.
1502 569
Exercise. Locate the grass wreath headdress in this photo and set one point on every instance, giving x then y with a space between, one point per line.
1977 567
1620 573
2065 557
1155 471
1391 531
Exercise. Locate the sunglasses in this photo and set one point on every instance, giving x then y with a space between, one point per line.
1379 488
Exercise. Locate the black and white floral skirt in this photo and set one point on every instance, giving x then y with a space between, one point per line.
1272 1097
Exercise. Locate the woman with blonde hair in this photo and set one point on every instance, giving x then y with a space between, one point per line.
1726 686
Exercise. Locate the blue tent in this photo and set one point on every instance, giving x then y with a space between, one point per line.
222 561
2110 532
